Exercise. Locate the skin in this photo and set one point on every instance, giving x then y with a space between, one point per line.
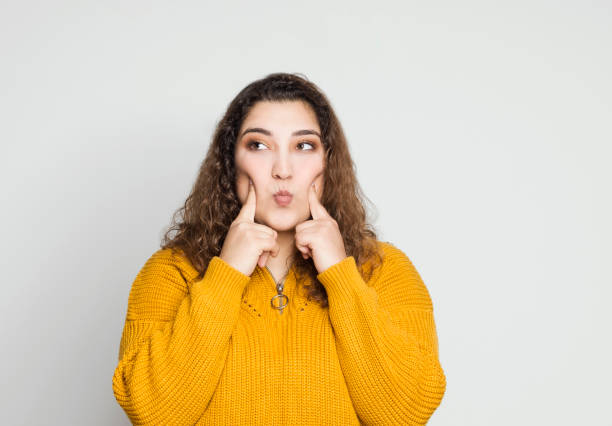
281 160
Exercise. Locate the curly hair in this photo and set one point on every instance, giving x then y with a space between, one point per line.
202 223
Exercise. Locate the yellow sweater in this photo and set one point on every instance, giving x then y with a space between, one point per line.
214 352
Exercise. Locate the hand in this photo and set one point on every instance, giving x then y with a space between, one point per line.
247 243
320 237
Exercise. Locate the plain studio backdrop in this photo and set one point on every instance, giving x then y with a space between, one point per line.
481 131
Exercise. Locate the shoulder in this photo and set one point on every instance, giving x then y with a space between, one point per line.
161 283
390 251
397 280
390 254
171 261
394 257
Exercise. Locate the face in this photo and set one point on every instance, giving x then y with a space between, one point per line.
280 149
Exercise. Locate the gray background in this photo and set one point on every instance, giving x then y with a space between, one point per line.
480 130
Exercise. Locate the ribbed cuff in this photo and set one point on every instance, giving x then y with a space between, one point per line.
222 279
343 281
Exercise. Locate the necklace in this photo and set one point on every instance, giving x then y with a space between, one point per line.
283 300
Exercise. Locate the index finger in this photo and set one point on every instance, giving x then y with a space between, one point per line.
247 212
317 210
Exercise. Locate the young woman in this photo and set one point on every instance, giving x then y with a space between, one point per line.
274 302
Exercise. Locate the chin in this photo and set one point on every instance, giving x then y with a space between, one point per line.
284 223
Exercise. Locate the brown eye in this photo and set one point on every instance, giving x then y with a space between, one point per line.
307 143
253 145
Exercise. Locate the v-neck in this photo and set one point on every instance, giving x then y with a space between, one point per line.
263 293
277 280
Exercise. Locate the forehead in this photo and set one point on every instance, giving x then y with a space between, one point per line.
286 114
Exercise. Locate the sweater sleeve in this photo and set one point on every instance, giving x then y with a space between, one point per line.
386 340
175 340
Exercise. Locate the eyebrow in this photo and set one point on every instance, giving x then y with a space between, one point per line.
303 132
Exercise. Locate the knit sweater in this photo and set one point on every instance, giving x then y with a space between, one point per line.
214 352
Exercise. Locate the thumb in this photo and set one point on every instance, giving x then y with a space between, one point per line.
263 259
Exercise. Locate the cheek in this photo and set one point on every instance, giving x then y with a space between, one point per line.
253 171
320 186
313 167
242 185
247 166
319 178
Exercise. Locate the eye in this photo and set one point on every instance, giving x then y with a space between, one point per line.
254 143
307 143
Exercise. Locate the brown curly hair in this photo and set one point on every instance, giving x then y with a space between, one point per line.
203 222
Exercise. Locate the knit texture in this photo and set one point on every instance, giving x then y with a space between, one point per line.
214 352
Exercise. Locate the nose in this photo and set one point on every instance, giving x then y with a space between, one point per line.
282 166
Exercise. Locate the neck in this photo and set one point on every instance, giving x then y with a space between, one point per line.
286 241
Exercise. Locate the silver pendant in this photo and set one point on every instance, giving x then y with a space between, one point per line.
283 300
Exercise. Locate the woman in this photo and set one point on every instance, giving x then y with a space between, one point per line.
274 303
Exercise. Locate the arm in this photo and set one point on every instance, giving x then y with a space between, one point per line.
386 340
175 339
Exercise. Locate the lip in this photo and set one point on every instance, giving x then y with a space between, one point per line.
283 198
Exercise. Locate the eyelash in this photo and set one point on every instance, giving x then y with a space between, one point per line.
250 144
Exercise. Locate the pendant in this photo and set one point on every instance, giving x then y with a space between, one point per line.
283 300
